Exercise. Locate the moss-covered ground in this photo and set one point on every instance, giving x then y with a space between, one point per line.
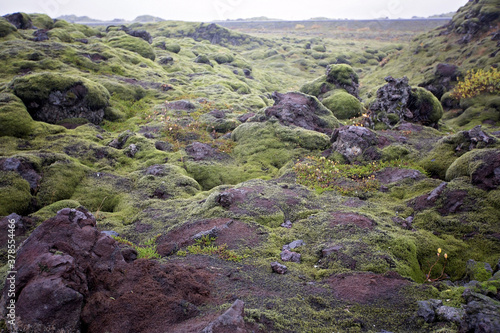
178 148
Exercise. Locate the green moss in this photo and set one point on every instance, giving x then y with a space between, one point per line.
52 209
6 28
342 73
343 105
59 181
174 48
468 163
223 58
15 196
133 44
37 87
394 152
317 87
14 118
60 34
42 21
423 100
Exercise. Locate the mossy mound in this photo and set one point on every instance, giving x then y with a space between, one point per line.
343 105
426 106
134 44
15 196
479 166
340 76
449 148
14 118
42 21
52 97
6 28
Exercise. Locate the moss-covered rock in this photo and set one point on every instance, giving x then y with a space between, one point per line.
451 147
425 106
59 181
134 44
42 21
51 97
340 76
15 196
14 118
479 166
343 105
5 27
297 109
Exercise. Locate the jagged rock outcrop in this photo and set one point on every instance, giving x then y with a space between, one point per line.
299 110
69 274
355 142
143 34
398 101
443 80
53 97
19 20
474 19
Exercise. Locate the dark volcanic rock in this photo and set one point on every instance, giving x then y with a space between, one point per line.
278 268
398 101
70 276
300 110
202 151
287 255
230 321
355 142
445 77
19 20
216 34
24 168
41 35
482 314
143 34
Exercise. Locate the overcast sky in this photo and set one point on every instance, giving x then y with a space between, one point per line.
210 10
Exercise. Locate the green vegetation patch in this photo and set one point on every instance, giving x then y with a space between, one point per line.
14 118
134 44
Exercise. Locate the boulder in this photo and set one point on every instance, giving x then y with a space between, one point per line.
482 313
278 268
398 101
443 79
71 277
19 20
478 271
297 109
287 255
53 97
230 321
355 142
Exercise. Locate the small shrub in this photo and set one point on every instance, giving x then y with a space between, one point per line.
478 82
145 251
204 245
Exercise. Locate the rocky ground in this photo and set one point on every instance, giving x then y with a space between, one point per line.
183 177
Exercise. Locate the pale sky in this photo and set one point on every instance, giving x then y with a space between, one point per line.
210 10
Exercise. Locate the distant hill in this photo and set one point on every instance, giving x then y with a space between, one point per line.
148 18
86 19
74 18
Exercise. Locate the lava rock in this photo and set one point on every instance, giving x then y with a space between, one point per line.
301 110
278 268
355 142
287 255
427 309
230 321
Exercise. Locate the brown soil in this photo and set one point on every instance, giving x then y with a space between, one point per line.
340 218
367 287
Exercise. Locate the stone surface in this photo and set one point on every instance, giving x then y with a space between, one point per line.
287 255
230 321
355 142
278 268
301 110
